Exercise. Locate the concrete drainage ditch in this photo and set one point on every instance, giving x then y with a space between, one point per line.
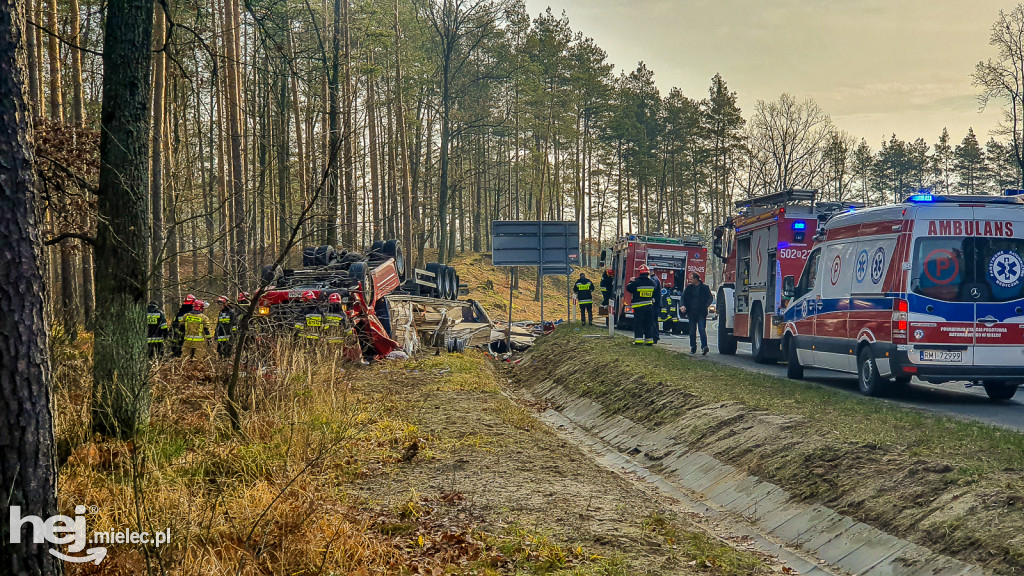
809 538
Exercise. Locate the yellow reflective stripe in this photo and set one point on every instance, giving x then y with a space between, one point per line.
641 304
645 292
586 301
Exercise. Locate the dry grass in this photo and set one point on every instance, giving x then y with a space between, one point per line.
274 499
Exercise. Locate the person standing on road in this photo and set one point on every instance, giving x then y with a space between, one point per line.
642 288
696 300
584 290
655 323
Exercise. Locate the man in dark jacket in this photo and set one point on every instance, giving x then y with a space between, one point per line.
584 290
696 300
226 329
642 288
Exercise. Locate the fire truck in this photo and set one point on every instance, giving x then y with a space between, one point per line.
671 260
769 240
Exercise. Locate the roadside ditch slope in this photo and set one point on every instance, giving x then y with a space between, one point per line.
951 486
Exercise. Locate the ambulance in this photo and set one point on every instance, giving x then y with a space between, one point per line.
932 288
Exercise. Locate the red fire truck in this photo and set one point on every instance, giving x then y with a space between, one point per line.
769 240
670 260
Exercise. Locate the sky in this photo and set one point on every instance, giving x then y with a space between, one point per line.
877 67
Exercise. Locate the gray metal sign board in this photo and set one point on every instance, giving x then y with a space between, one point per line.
534 243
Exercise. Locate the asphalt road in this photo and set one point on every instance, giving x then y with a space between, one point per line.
952 399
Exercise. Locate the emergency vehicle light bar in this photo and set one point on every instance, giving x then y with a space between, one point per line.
958 198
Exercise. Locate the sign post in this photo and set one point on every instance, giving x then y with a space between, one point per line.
552 246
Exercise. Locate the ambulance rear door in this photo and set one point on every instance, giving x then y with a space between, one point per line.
998 288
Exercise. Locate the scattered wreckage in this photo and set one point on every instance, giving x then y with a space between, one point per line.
387 306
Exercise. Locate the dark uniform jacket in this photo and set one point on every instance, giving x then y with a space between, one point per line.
584 289
157 325
226 324
644 291
607 284
697 299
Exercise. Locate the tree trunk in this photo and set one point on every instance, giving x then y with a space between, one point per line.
56 90
373 144
26 423
121 393
34 89
334 141
409 203
156 182
234 112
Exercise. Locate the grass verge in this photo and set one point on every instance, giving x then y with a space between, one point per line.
952 485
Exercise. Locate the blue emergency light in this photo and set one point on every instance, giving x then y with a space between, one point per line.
800 225
921 198
1013 192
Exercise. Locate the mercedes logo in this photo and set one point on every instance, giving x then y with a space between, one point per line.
975 293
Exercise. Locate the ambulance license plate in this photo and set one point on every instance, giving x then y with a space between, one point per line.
942 356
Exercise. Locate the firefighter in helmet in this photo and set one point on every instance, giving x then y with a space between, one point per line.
643 288
226 328
197 331
310 325
178 325
156 330
584 290
335 321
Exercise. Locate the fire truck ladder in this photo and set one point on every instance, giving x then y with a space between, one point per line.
787 196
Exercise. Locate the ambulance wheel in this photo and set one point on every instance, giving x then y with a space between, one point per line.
868 380
793 368
1000 391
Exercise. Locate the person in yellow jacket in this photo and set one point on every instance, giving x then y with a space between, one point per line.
310 325
198 331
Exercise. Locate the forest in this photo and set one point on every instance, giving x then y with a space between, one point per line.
421 120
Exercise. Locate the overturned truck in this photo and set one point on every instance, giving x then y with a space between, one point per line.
370 285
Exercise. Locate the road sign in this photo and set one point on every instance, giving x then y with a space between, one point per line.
535 243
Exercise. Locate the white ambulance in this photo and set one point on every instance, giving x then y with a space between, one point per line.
932 288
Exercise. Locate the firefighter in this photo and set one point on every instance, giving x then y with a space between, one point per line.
226 328
243 303
197 331
666 310
607 286
335 321
657 307
178 326
310 325
584 290
643 290
156 331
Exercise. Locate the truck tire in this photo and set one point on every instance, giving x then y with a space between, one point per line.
1000 391
765 351
319 255
726 340
394 250
377 246
437 269
453 284
794 369
359 273
383 311
270 274
868 381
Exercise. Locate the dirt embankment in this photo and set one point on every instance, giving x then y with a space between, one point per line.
950 486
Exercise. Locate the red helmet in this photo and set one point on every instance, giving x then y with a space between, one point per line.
609 272
198 306
644 269
334 298
308 296
222 299
190 299
243 296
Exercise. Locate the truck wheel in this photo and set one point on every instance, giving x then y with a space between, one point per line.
793 368
453 283
377 246
358 272
758 347
394 250
726 340
318 255
1000 391
868 380
437 269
